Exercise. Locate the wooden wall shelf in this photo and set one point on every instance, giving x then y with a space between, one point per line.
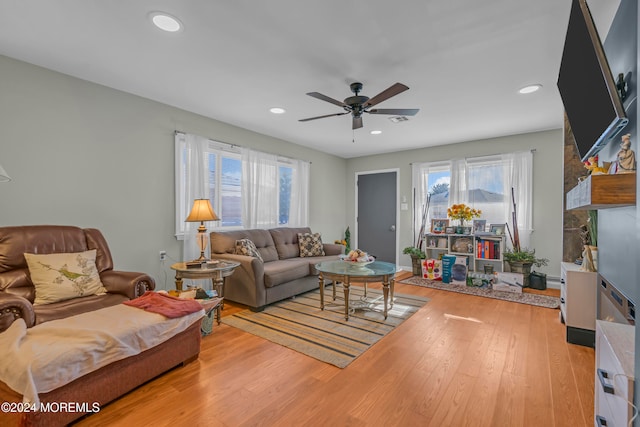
603 192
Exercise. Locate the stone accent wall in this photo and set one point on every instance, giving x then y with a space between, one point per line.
572 220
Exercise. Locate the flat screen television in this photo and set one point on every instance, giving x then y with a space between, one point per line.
587 86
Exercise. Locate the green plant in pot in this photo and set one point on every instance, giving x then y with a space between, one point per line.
521 261
416 255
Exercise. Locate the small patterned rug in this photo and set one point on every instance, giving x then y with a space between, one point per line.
523 298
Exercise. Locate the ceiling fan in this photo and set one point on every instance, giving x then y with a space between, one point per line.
358 104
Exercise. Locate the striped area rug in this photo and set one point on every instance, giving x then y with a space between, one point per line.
299 324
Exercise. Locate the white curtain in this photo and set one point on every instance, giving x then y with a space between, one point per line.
519 177
459 186
195 186
299 207
259 189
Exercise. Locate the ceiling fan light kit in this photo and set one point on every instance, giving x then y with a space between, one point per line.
358 104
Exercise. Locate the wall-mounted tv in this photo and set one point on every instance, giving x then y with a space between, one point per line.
586 85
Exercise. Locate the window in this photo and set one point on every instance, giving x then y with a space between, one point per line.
438 179
229 202
284 198
487 189
483 183
213 170
220 182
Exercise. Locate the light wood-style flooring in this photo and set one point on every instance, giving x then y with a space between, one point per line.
460 361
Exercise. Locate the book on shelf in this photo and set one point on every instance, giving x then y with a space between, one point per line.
488 249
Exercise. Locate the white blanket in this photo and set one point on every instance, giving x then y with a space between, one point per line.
52 354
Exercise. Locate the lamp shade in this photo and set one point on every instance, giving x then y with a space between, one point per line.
4 177
202 211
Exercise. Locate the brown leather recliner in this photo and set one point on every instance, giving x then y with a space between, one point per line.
17 293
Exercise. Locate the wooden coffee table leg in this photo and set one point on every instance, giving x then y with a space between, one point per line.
393 291
345 285
321 282
385 292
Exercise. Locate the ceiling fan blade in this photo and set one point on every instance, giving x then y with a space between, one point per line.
395 111
322 117
326 98
386 94
357 123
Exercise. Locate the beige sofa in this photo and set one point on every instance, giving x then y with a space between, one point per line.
281 274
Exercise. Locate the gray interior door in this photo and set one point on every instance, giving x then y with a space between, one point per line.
377 215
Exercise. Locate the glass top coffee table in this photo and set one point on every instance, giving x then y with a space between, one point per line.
349 272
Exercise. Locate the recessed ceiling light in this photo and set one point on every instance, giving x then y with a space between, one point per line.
277 110
376 132
165 22
530 88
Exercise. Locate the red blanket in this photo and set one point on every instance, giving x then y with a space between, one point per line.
164 304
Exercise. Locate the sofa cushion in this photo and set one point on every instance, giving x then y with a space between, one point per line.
286 241
247 247
59 277
224 242
283 271
310 244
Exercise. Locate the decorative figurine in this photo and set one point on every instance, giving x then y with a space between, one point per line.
626 158
591 164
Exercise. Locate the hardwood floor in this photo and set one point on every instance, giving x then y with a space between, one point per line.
460 360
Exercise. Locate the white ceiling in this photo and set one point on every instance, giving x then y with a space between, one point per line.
463 60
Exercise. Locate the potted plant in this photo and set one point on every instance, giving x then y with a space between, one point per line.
520 261
589 235
416 255
522 258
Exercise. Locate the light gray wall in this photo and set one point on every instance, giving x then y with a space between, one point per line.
87 155
547 189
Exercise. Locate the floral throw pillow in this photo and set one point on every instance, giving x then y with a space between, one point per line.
310 244
247 247
59 277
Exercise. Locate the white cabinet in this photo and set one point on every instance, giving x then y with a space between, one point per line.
489 251
614 374
480 249
578 291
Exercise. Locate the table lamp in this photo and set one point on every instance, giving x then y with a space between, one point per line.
202 211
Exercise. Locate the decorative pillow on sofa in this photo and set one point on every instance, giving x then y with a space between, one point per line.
58 277
247 247
310 244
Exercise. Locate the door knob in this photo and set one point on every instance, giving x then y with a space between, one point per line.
392 228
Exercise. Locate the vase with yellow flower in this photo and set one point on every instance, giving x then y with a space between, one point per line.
462 214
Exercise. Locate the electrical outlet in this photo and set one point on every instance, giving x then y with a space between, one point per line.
163 255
